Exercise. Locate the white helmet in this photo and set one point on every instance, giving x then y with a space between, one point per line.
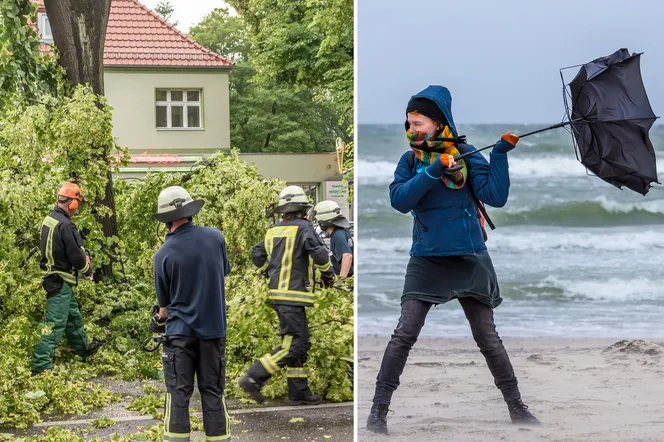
175 203
328 212
292 199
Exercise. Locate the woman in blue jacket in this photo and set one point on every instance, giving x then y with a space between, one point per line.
449 258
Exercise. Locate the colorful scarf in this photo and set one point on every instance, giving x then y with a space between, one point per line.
453 180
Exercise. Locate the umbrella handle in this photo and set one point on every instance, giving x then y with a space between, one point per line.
467 154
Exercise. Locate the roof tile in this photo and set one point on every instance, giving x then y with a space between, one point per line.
137 36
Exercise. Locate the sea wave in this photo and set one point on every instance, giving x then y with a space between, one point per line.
381 172
538 241
600 211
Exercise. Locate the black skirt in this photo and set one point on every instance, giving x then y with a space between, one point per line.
439 279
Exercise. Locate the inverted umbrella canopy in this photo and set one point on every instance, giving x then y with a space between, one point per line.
611 117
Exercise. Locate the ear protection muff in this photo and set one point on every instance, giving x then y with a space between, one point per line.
73 205
71 192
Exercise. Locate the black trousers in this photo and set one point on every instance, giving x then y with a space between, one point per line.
413 314
292 353
182 357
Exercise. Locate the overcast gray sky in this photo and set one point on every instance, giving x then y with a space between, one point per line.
188 12
500 59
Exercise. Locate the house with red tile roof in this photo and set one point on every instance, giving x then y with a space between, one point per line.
170 95
170 99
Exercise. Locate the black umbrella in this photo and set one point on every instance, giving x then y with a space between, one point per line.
610 118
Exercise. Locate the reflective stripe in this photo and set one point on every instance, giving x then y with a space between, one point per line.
176 437
296 373
50 223
268 364
291 295
68 277
289 234
269 361
290 247
87 267
286 342
269 246
227 419
285 348
312 282
167 413
325 267
297 300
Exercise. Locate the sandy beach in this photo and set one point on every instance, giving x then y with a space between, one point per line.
581 389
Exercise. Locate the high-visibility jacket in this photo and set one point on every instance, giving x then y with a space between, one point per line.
287 252
62 253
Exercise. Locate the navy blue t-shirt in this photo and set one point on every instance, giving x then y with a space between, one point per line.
341 242
189 271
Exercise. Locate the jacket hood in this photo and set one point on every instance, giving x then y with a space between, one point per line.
443 99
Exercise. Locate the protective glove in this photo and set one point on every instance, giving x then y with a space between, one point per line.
327 278
507 142
157 324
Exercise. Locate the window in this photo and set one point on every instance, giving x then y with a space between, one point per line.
178 108
44 28
311 190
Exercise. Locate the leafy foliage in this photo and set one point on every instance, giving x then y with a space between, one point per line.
166 9
238 201
304 45
267 114
47 137
23 68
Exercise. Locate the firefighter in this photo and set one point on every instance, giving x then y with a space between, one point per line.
331 220
285 252
62 257
189 272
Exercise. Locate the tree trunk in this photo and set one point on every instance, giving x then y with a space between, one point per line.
79 33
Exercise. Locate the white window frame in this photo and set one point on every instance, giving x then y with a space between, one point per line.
42 19
185 105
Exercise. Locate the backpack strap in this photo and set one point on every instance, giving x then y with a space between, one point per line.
480 205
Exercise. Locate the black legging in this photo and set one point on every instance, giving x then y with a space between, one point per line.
413 315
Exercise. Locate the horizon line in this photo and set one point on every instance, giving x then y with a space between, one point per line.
549 123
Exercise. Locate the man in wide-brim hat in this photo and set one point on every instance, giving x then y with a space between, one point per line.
189 271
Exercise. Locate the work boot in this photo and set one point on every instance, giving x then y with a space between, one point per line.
307 399
519 413
252 388
92 349
377 420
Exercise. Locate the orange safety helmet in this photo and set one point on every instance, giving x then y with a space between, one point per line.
73 192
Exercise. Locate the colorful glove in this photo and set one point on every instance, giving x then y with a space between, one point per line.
447 160
437 168
507 142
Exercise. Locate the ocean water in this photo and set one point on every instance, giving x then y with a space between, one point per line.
575 256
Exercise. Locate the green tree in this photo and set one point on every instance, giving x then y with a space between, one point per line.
79 32
223 33
268 115
166 9
306 44
24 71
